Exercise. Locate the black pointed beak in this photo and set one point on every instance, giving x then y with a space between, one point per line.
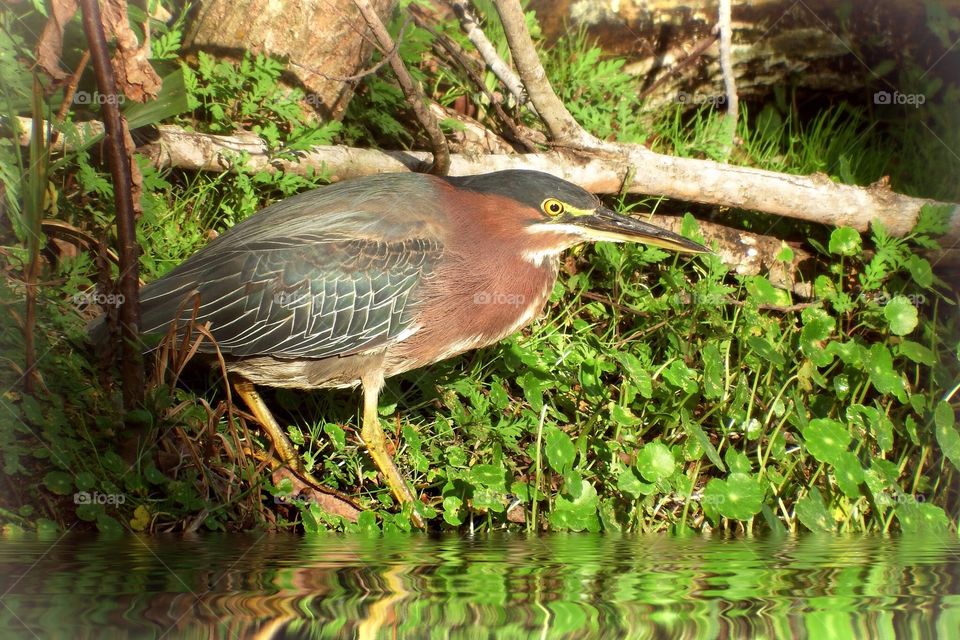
606 224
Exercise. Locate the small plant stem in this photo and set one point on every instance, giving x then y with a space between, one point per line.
119 161
539 467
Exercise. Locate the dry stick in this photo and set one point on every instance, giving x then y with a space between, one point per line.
69 92
726 67
119 161
813 198
412 90
563 127
459 58
489 54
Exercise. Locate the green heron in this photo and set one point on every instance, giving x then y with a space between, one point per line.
368 278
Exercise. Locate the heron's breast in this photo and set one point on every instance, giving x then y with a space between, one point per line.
467 307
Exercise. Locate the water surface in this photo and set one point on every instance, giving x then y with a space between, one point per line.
577 585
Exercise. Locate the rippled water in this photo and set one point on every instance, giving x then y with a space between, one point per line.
264 586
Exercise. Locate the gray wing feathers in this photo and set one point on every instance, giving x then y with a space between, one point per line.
308 277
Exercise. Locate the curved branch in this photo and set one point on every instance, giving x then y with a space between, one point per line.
412 90
563 127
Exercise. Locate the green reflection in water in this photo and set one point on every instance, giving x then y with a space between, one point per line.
417 586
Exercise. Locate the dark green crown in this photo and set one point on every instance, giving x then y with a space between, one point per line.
527 187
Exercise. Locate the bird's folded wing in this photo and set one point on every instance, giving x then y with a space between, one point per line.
308 295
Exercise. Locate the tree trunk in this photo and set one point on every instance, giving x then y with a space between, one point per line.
325 41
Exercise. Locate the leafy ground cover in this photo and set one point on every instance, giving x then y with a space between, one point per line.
658 393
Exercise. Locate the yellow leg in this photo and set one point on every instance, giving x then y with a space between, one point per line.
285 449
376 443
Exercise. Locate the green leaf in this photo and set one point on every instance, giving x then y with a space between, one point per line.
622 415
533 386
916 352
694 429
58 482
915 517
336 434
920 271
844 241
739 496
577 514
848 473
681 376
559 448
295 435
901 315
712 372
630 484
762 291
826 439
490 476
817 327
766 351
367 522
946 432
451 510
655 462
882 373
85 481
812 513
737 461
108 525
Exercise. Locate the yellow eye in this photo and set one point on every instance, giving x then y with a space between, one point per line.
552 206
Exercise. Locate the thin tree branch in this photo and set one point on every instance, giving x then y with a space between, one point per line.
562 126
488 52
120 171
726 67
412 90
457 55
